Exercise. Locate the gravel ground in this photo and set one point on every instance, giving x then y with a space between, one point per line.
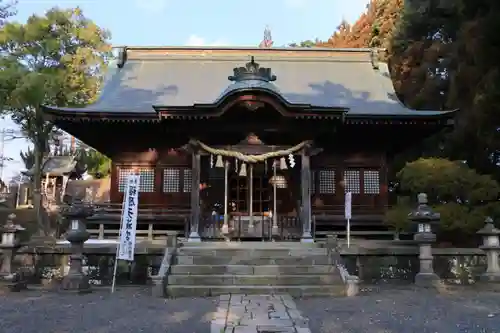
133 310
128 310
405 311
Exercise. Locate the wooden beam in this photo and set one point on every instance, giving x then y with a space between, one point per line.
194 235
306 198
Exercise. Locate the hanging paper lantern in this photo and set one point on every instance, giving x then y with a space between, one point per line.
243 170
283 164
219 163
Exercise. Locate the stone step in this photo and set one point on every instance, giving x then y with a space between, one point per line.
250 260
255 280
295 291
251 245
251 269
227 252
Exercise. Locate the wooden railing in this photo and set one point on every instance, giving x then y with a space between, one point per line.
158 219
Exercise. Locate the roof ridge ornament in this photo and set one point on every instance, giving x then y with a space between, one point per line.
252 71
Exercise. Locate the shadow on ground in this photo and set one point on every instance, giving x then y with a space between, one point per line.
128 310
405 311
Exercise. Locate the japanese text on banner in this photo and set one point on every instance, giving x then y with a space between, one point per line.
129 219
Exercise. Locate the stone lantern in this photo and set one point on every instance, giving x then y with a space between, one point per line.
10 243
77 214
424 217
491 246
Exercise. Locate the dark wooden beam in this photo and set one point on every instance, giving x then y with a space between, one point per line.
306 197
194 235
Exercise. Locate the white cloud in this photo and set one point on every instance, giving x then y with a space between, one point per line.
295 3
195 40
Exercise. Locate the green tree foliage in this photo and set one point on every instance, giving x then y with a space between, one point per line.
305 43
7 9
439 62
28 158
96 164
55 59
462 196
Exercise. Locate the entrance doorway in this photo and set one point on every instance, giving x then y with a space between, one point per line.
242 196
251 203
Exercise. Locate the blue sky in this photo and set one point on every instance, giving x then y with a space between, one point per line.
197 22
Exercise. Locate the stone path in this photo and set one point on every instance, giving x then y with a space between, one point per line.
258 313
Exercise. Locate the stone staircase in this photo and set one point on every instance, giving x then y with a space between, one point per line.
210 269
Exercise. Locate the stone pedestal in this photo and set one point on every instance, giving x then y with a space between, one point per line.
77 235
491 246
9 245
424 217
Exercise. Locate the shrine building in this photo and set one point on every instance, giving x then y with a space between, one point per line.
249 142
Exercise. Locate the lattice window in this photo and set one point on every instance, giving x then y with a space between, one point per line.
371 184
188 176
147 179
122 178
326 181
352 181
171 180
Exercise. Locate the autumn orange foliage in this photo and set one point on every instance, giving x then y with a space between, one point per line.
373 28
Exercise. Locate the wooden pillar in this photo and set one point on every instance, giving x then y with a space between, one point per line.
225 226
194 235
250 190
306 197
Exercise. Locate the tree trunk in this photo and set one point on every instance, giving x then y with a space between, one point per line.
37 189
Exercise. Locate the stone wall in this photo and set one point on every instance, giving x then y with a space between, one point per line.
400 264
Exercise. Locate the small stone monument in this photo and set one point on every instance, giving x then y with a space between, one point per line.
77 214
491 246
9 245
424 217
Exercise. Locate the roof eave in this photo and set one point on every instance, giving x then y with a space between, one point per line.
77 114
444 117
214 109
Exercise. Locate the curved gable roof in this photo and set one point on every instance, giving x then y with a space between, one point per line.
187 76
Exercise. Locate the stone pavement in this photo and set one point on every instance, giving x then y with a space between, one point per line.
238 313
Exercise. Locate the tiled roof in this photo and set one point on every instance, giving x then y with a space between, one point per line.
56 166
323 78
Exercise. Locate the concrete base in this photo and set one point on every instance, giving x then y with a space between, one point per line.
352 286
306 238
158 288
490 277
76 284
427 280
194 237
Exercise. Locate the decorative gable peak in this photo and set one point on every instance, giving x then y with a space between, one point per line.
252 71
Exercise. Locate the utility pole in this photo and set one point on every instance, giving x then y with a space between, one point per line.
5 135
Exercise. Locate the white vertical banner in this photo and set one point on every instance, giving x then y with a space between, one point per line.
348 215
348 205
128 227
